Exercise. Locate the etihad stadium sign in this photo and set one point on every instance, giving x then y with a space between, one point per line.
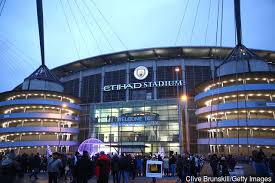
141 73
143 85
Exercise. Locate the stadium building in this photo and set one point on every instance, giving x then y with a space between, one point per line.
155 100
236 110
145 100
38 116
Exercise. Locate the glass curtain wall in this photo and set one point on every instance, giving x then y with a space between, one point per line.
137 126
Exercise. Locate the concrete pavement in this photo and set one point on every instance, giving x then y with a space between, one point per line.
44 179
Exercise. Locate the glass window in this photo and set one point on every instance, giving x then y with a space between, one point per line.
112 78
195 75
72 87
168 73
138 123
91 88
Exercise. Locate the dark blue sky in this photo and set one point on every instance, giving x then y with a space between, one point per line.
137 23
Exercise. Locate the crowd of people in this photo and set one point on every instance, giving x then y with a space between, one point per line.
79 168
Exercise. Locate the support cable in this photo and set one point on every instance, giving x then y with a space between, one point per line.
103 33
110 26
15 69
77 25
5 58
207 24
2 8
194 24
181 23
68 24
16 60
93 36
215 56
13 48
217 25
221 35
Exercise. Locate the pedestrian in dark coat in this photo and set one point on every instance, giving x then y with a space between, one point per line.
35 166
224 166
172 164
272 166
84 168
180 168
133 167
8 169
124 168
214 164
115 168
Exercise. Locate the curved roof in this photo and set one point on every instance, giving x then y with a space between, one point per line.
153 53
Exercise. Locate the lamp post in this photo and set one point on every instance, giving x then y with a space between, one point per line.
177 70
183 99
61 118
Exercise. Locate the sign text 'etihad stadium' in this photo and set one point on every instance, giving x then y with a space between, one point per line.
143 85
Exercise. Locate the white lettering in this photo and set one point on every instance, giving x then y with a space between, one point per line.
129 86
137 85
107 88
142 85
155 84
161 83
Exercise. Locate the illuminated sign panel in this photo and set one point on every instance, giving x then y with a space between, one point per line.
141 73
143 85
136 119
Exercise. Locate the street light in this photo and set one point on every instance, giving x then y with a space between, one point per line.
183 99
177 70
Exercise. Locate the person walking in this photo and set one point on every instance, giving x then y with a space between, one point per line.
35 166
133 167
224 166
84 168
166 166
75 158
260 166
272 166
231 162
144 162
8 169
54 165
24 162
192 164
115 168
180 168
103 167
172 164
124 167
214 161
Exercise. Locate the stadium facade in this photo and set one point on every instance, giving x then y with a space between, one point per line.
131 100
38 116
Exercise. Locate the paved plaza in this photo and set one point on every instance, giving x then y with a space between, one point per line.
44 179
